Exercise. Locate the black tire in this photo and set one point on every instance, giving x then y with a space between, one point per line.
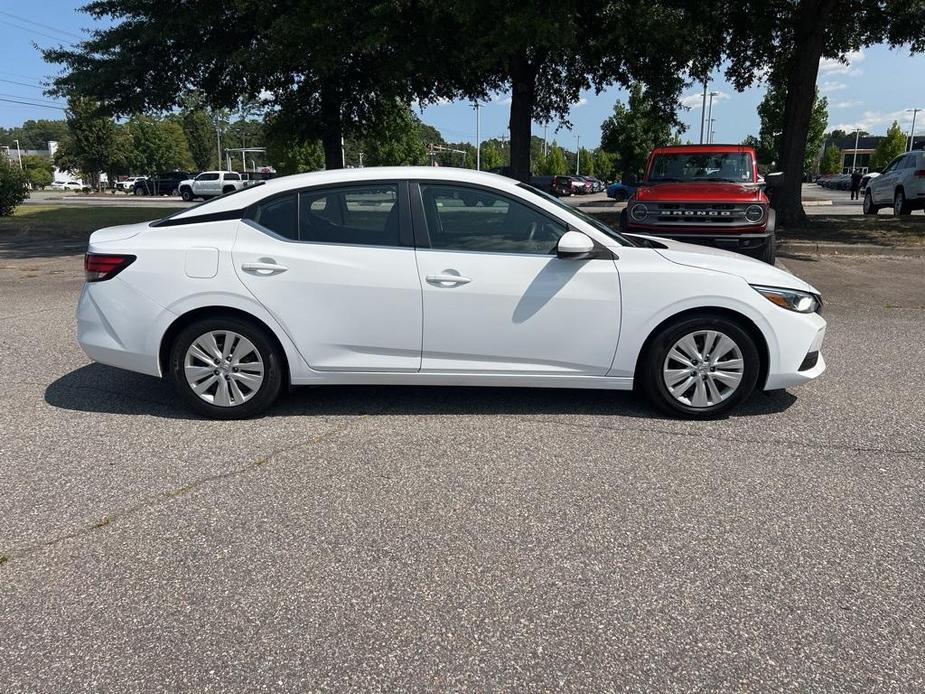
137 191
900 204
227 189
619 196
869 206
174 193
624 218
272 359
652 362
186 194
768 252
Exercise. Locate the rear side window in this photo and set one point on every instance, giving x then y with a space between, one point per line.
232 177
364 215
279 215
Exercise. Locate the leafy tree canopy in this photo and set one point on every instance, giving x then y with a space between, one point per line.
889 147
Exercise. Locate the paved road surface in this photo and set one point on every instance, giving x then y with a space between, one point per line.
467 539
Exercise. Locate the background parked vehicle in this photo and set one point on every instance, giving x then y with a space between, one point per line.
127 185
167 183
705 194
579 185
559 186
67 185
620 191
210 184
900 186
865 180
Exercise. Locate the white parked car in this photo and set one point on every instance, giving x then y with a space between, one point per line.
210 184
434 276
900 186
67 185
128 185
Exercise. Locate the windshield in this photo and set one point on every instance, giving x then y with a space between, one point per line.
596 223
727 167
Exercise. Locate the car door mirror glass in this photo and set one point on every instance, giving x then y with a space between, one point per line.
574 245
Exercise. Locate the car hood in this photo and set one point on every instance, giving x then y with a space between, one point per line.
700 192
751 270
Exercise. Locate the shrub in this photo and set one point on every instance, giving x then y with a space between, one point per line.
12 188
39 178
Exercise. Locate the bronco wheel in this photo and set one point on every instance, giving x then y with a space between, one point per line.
700 367
226 368
768 252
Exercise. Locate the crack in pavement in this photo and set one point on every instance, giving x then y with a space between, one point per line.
914 453
164 497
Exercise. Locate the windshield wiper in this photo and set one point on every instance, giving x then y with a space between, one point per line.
717 179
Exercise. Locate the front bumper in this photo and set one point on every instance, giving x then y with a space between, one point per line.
727 240
800 352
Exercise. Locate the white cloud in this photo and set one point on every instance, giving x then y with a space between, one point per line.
695 101
847 104
581 102
831 66
832 86
876 122
501 100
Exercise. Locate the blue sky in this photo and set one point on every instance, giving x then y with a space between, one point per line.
873 90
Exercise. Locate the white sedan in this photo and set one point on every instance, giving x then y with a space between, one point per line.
434 276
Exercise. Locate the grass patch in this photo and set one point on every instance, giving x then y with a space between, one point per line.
76 220
881 230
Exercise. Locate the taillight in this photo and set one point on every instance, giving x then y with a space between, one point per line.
920 173
99 266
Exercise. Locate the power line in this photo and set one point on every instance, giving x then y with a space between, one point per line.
23 84
31 98
26 103
32 31
39 24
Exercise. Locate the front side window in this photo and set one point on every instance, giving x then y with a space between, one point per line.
460 218
363 214
728 167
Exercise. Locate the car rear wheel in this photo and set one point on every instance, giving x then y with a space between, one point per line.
869 206
619 196
226 368
900 206
700 367
174 193
137 191
227 189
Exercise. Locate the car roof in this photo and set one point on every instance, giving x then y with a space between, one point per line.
702 149
280 184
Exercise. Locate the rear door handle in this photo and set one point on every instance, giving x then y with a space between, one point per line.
263 268
447 279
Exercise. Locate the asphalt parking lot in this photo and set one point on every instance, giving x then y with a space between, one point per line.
463 539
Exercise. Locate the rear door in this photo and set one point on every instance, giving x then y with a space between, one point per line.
336 267
883 186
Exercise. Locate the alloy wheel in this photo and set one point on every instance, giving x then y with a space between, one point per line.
899 202
703 368
223 368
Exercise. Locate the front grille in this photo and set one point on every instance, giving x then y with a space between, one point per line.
691 214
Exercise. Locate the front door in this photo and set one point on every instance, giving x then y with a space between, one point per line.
336 268
496 297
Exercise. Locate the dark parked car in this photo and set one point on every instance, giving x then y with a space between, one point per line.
166 183
555 185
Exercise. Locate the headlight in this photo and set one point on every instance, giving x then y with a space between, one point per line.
754 213
790 299
639 212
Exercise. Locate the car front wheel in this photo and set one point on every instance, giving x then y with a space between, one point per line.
869 206
700 367
226 368
186 194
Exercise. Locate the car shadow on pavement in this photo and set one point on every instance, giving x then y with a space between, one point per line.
98 388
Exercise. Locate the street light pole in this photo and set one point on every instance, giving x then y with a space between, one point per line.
915 112
578 156
703 110
710 117
18 154
854 161
478 136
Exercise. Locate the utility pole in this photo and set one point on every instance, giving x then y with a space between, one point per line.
703 109
710 117
578 156
545 149
915 112
361 160
18 154
854 162
218 144
478 136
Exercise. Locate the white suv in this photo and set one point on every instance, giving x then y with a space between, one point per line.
210 184
901 185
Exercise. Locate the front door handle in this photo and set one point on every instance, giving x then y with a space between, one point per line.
444 279
263 268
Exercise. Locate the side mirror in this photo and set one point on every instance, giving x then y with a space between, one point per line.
575 246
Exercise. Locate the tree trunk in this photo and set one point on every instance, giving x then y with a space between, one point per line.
803 68
523 96
332 134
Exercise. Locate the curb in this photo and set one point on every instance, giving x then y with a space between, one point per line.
797 248
818 203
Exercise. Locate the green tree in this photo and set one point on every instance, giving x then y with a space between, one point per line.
200 137
633 130
889 147
396 138
12 188
771 115
791 38
38 170
555 163
603 164
492 155
93 144
831 160
157 145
